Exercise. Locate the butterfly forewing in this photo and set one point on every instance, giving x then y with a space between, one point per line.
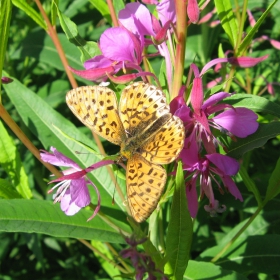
167 143
140 106
96 107
145 183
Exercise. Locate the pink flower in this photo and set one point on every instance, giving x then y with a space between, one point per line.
199 156
207 169
72 192
120 50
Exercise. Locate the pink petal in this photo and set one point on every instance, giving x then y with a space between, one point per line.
79 193
95 74
67 207
58 159
226 164
251 18
98 61
241 122
275 44
116 44
193 11
189 155
166 11
192 198
230 185
197 95
215 98
246 61
137 18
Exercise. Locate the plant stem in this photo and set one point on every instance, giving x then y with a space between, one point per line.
237 235
23 138
113 13
181 13
52 32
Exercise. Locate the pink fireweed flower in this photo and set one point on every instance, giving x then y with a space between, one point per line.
207 169
120 49
240 122
199 156
72 192
138 19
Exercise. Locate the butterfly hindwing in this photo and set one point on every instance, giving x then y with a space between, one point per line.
145 183
167 143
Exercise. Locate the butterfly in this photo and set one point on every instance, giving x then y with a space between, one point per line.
147 133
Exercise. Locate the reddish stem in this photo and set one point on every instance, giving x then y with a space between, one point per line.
181 30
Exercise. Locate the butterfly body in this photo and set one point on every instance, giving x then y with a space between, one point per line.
143 127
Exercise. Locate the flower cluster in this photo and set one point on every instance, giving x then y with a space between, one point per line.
199 155
122 47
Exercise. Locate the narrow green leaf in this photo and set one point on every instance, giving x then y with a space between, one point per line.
256 140
258 253
54 6
250 184
26 7
179 235
5 17
274 183
255 103
103 9
228 20
87 49
248 39
41 119
21 215
207 270
11 163
7 190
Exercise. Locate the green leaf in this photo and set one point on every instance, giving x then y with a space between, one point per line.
5 17
256 140
206 270
274 183
108 266
249 37
21 215
11 163
44 50
228 20
41 119
26 7
103 9
255 103
179 234
7 190
260 254
118 5
250 184
87 49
